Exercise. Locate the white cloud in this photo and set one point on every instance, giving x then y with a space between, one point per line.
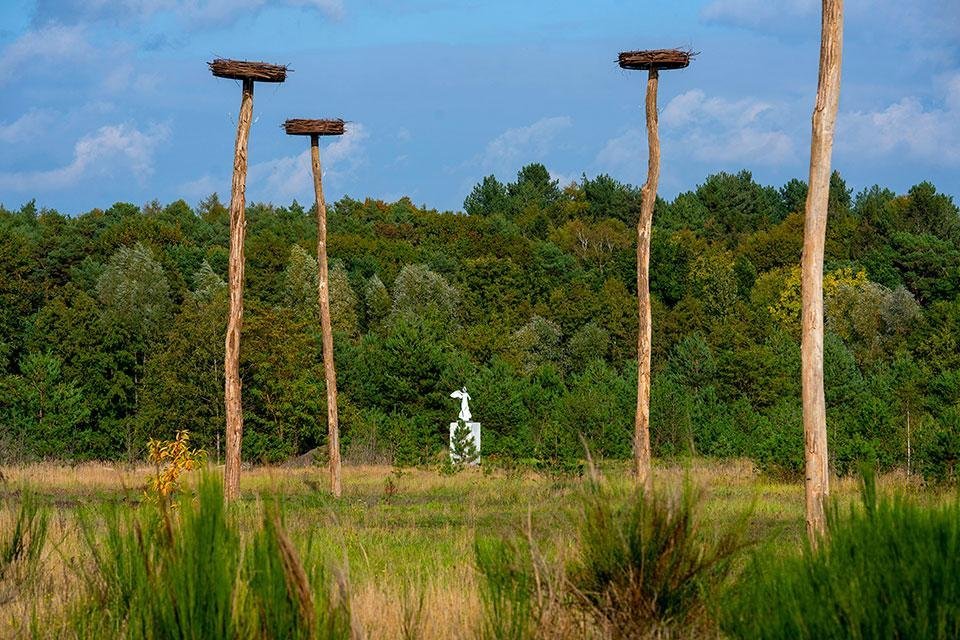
219 12
333 8
906 128
714 129
26 126
110 150
746 145
124 77
689 108
563 179
48 44
524 143
708 129
292 176
203 187
626 151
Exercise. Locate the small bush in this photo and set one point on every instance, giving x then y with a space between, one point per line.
887 569
172 458
644 567
156 574
187 573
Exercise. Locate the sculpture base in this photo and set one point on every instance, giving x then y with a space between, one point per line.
474 433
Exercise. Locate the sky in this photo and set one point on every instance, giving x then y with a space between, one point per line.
111 100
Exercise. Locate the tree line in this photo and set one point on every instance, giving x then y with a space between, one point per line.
112 324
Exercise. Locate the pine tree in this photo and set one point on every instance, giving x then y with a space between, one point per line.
462 446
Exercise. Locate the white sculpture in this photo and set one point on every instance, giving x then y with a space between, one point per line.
464 407
465 419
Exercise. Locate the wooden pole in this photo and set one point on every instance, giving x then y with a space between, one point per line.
648 197
323 295
231 360
651 61
817 486
248 72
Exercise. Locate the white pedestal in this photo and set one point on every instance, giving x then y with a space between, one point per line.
474 432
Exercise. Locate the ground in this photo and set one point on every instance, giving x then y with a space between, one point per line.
405 537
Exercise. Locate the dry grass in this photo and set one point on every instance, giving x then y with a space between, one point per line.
400 545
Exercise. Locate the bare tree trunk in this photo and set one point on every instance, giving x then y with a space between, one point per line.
641 433
814 235
231 361
323 294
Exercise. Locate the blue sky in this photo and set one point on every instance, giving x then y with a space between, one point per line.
107 100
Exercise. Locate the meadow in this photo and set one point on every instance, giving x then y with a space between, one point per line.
402 541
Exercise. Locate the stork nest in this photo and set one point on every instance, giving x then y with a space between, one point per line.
304 127
245 70
655 59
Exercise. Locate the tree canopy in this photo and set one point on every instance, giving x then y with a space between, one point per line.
112 321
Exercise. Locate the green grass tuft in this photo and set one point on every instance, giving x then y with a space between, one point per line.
645 565
187 574
889 568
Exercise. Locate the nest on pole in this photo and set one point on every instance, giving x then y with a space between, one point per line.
655 59
305 127
246 70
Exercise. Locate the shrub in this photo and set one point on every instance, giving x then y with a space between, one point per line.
644 567
463 449
187 573
888 569
172 458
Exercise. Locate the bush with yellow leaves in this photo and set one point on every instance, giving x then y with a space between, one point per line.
172 458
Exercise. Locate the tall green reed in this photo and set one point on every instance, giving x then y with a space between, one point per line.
888 568
188 574
22 543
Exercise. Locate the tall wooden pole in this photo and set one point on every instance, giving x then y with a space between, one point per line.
648 197
817 487
238 231
323 295
248 72
651 61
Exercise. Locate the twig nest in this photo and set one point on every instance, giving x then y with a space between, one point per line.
305 127
655 59
246 70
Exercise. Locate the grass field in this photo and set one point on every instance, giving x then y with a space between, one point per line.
404 537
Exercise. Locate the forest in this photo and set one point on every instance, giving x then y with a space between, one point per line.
112 325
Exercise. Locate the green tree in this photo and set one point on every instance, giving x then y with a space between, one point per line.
376 301
300 282
343 300
590 342
537 343
487 198
40 411
420 291
463 449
